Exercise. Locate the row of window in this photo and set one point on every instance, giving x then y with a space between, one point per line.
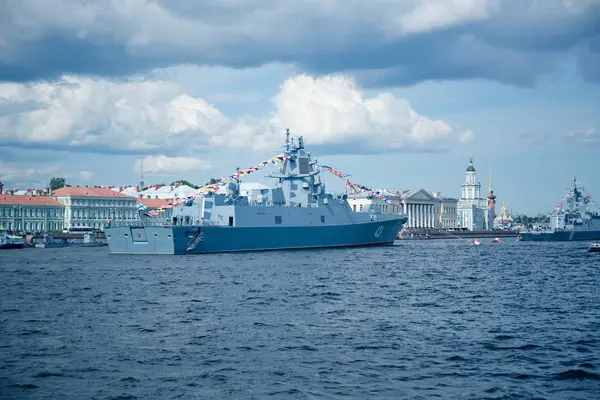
83 214
100 203
32 226
384 208
30 212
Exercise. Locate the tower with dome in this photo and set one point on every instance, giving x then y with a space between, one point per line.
475 213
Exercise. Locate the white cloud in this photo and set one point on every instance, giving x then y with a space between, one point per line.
466 136
165 165
25 173
159 117
80 175
589 136
331 110
100 114
426 15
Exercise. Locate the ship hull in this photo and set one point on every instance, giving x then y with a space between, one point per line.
217 239
560 236
6 246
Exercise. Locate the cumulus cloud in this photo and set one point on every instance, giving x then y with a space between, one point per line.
98 114
333 111
159 117
164 165
412 40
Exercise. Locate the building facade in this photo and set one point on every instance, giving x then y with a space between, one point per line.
448 211
149 205
30 214
473 211
421 207
94 207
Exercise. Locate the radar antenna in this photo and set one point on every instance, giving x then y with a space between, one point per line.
287 140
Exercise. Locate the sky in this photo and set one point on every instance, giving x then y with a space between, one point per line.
400 94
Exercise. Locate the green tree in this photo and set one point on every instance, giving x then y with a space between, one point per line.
57 183
212 181
184 182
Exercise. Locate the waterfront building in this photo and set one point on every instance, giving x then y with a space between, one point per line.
421 207
148 205
132 191
93 207
504 220
167 192
30 214
473 211
448 211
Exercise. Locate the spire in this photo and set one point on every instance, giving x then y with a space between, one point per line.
490 177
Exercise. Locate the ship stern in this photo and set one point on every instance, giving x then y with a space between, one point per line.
140 240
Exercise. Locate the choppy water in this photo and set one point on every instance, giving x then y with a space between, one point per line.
423 319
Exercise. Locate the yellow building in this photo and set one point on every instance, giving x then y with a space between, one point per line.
30 214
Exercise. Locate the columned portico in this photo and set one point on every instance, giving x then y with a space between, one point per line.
420 206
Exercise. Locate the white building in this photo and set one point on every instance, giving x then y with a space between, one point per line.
473 212
448 211
92 207
166 192
421 207
504 220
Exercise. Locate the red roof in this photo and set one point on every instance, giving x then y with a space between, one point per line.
153 203
87 192
29 200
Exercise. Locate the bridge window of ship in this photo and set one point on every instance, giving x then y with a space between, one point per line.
322 219
278 219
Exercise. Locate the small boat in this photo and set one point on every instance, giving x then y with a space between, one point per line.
8 241
496 240
519 238
595 248
476 242
49 242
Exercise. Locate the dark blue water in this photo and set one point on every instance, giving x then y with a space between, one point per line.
424 319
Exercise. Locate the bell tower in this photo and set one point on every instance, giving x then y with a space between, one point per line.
471 189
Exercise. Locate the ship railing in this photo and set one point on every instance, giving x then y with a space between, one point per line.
164 222
255 203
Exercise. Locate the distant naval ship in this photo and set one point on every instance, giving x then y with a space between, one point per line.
297 213
575 221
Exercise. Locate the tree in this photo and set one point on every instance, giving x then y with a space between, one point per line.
184 182
212 181
57 183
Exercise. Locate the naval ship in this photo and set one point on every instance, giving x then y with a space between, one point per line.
575 221
296 213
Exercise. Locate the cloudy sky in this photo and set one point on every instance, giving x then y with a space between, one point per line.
400 94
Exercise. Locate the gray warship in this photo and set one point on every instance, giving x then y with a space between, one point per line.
296 213
576 220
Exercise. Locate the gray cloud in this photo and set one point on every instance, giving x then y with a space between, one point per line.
387 43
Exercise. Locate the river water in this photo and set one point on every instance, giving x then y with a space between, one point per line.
419 320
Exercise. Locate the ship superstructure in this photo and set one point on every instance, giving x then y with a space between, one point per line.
576 217
297 212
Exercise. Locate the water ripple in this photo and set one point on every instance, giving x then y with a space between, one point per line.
422 320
